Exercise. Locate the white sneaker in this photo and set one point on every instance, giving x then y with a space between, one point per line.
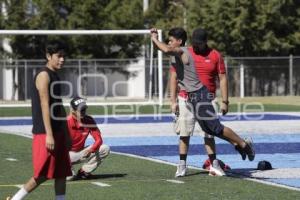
181 170
71 178
215 169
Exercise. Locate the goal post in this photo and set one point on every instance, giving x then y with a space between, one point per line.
107 32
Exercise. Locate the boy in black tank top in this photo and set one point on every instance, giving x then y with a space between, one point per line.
57 111
51 142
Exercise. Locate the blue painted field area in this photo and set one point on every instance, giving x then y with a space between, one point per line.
282 150
276 139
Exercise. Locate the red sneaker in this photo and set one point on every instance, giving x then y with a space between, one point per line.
206 165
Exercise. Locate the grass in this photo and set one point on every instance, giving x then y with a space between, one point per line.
130 179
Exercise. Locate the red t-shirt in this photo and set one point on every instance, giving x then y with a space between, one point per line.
80 131
207 67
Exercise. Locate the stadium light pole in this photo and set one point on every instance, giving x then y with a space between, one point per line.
242 81
291 75
145 5
181 5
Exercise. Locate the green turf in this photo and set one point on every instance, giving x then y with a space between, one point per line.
149 109
130 179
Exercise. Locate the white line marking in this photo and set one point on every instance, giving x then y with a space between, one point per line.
174 181
273 184
19 186
232 174
192 167
11 159
100 184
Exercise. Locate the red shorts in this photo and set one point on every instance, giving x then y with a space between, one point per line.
54 164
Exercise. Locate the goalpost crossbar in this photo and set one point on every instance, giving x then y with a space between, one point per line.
73 32
99 32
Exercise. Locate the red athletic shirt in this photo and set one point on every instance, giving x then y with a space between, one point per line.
208 67
80 131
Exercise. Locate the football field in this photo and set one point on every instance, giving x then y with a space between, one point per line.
124 177
143 162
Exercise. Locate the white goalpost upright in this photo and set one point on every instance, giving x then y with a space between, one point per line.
106 32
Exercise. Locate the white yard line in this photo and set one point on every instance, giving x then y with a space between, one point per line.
100 184
11 159
174 181
261 181
231 174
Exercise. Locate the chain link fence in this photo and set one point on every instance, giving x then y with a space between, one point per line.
130 78
101 78
263 76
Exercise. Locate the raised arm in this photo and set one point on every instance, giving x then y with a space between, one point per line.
163 46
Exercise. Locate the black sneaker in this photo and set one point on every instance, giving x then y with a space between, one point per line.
241 151
82 174
249 149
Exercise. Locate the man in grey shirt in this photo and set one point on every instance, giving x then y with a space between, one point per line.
199 96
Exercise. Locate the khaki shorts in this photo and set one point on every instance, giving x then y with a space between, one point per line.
184 123
91 162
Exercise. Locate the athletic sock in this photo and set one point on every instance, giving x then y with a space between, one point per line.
182 158
20 194
60 197
212 157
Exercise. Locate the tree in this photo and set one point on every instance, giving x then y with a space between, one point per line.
165 14
249 27
236 27
73 14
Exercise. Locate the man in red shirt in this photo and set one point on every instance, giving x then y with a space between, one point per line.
80 127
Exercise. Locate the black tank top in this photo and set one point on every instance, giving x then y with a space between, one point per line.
57 111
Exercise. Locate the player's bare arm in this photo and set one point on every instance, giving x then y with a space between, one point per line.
163 46
224 93
173 92
42 84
